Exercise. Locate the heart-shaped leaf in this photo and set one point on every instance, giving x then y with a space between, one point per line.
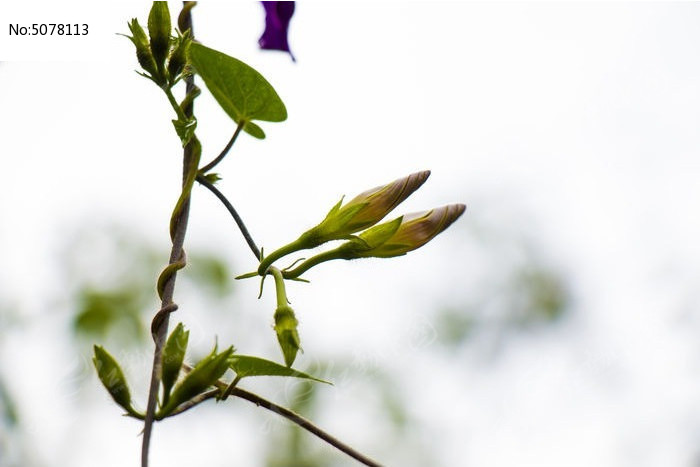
241 91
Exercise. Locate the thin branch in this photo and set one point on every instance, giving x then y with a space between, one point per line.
162 318
305 424
194 401
241 225
225 151
278 409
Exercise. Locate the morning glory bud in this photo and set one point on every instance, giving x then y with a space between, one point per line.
178 58
159 30
415 230
143 50
287 335
363 211
394 238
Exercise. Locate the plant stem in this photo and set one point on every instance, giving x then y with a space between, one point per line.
311 262
225 151
280 410
305 424
227 391
176 107
159 327
201 179
267 261
280 290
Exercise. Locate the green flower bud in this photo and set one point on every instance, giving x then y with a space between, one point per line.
363 211
112 378
388 239
203 375
143 50
173 356
159 29
178 57
286 328
415 230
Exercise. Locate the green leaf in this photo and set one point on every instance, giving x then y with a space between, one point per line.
245 365
202 376
240 90
254 130
113 379
212 178
173 356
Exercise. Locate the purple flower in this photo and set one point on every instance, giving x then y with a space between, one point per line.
277 17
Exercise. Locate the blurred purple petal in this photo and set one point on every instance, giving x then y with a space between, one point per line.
277 17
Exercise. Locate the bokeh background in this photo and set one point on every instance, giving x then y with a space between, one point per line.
556 323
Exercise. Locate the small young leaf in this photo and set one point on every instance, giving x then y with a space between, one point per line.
173 356
241 91
185 129
213 178
245 365
113 378
202 376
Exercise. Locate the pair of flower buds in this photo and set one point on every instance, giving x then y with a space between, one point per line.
362 214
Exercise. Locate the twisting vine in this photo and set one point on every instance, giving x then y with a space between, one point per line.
246 96
178 231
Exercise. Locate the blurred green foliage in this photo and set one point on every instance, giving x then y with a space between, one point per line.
292 446
516 289
540 296
101 311
522 292
119 301
7 408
